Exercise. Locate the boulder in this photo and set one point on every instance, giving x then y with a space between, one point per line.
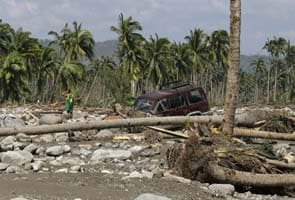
31 148
7 143
222 189
61 137
105 133
101 154
12 122
55 150
50 119
16 157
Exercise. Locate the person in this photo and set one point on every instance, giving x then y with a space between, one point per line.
69 105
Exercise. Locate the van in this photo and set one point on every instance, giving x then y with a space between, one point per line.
177 98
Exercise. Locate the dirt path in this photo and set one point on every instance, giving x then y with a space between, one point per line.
93 186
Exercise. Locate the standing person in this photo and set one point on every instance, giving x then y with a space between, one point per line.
69 103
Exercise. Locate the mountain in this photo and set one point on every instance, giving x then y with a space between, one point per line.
245 63
106 48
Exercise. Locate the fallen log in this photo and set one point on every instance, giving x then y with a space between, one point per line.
104 124
239 132
235 177
144 121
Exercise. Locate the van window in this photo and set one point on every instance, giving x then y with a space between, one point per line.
143 105
176 101
195 96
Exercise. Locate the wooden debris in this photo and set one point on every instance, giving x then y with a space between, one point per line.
241 178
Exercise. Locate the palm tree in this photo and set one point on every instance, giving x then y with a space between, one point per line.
46 62
103 70
182 61
73 46
277 48
157 56
233 69
18 51
259 72
198 43
129 48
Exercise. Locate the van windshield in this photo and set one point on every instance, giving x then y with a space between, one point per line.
143 105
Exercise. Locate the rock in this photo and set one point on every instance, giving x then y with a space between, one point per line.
136 149
222 189
12 122
169 176
105 133
85 146
149 196
64 170
55 150
16 157
108 145
36 166
85 152
61 137
157 172
55 163
40 151
13 169
31 148
71 161
18 146
21 137
134 174
147 174
101 154
76 168
50 119
3 166
67 148
47 138
7 143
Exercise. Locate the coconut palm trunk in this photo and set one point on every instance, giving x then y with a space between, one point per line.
233 69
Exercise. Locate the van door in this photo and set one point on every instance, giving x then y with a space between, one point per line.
197 101
177 105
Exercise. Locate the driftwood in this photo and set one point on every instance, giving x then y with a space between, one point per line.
238 132
173 133
235 177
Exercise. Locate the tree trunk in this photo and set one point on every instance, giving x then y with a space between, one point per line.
235 177
239 132
268 86
275 84
233 70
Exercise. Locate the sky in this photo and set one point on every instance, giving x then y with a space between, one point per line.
261 19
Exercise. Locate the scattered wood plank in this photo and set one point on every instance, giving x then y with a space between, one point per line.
173 133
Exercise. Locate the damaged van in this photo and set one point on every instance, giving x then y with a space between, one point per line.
173 99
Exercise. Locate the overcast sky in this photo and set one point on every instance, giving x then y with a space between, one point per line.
261 19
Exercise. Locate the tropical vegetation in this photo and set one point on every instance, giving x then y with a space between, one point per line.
31 71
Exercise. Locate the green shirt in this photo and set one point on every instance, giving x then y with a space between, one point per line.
69 103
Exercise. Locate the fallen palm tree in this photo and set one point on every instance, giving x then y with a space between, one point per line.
220 159
151 121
